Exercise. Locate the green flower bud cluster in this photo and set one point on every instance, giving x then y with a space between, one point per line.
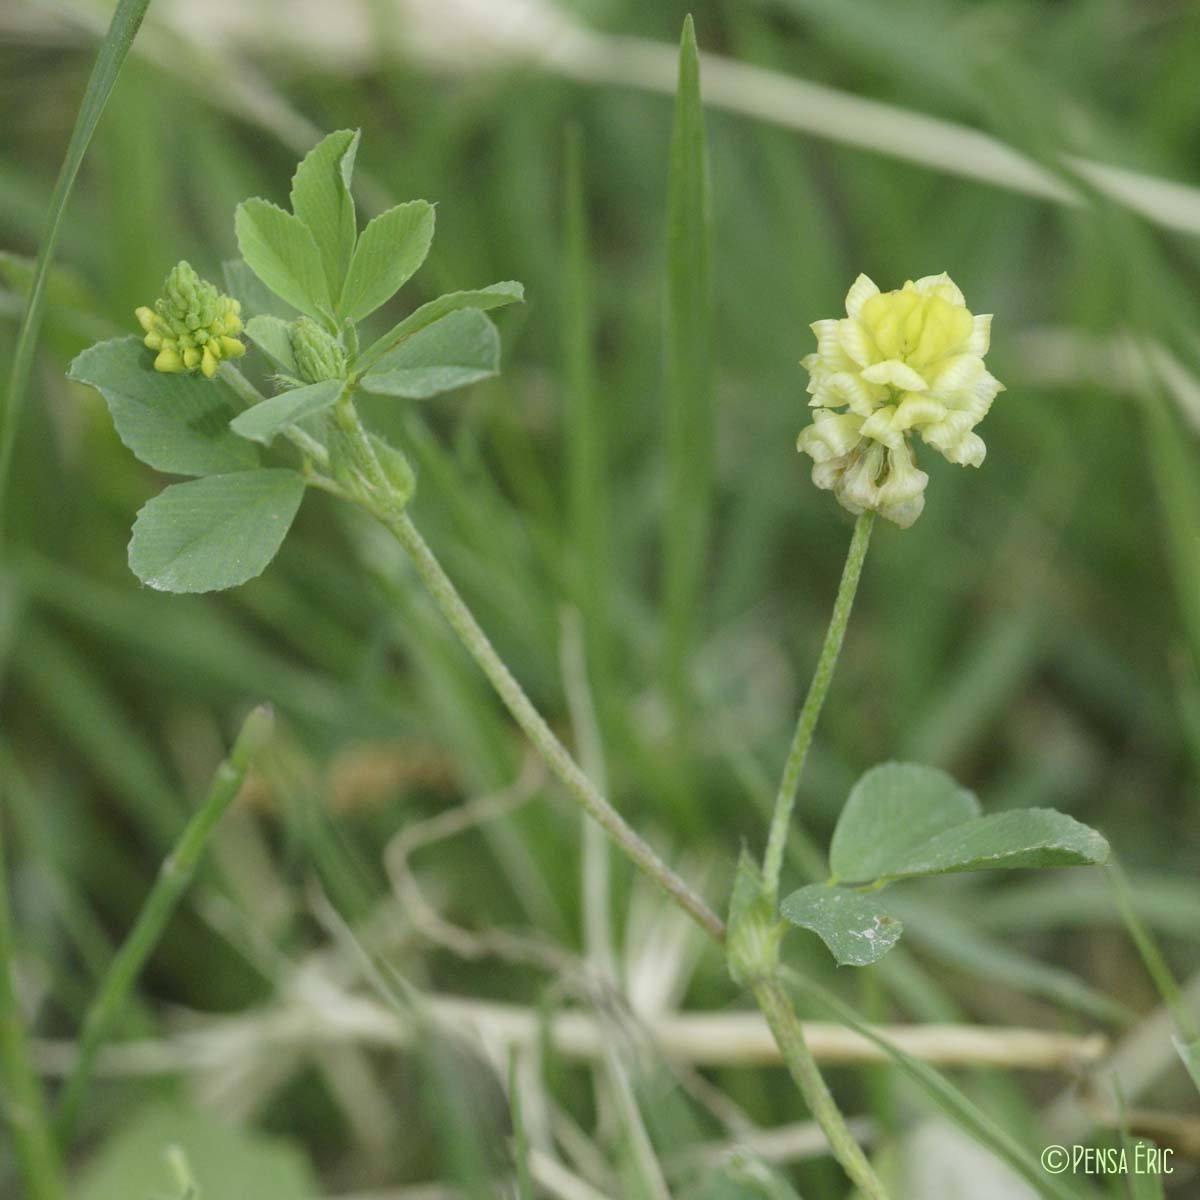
192 325
318 355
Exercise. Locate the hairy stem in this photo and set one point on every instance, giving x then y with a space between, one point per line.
250 396
801 740
22 1102
463 622
767 988
173 879
786 1029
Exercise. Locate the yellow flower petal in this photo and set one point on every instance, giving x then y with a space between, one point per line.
861 290
896 374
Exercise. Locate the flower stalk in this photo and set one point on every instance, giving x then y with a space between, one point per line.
785 800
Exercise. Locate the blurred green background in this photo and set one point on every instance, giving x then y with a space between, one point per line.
1036 632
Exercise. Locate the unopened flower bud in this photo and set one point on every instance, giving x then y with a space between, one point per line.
318 356
192 326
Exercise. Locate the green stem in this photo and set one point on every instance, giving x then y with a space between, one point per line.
173 879
801 740
21 1097
250 396
785 1027
768 991
126 21
463 622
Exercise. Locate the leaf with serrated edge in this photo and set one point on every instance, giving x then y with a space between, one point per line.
461 348
280 250
495 295
273 337
173 423
256 299
1023 838
264 420
389 251
214 533
893 808
857 929
321 199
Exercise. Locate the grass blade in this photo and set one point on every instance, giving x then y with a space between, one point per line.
689 374
520 1138
585 433
168 889
1188 1043
25 1102
125 23
953 1102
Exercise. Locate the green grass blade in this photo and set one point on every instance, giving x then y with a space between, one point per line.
125 23
24 1107
953 1102
1152 957
585 433
79 703
520 1138
689 377
169 887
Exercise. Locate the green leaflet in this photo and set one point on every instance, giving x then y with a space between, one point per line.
857 929
495 295
461 348
174 423
1031 837
281 251
214 533
389 251
272 335
257 299
321 199
263 421
893 809
903 820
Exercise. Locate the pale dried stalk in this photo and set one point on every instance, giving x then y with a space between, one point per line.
703 1039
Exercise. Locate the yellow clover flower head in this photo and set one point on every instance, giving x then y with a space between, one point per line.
908 361
192 325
